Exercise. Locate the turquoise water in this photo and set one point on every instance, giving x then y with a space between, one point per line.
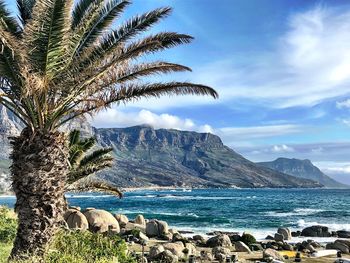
259 211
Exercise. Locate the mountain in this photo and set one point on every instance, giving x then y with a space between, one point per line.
149 157
302 169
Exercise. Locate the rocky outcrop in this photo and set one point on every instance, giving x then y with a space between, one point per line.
157 228
75 219
219 241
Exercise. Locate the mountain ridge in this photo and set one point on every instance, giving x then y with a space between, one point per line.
302 169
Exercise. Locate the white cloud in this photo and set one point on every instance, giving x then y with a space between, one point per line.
310 64
343 104
116 118
282 148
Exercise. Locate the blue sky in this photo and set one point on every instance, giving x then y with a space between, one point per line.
282 70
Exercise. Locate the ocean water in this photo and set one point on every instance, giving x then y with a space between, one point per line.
258 211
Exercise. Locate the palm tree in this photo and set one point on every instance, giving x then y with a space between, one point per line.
85 162
61 60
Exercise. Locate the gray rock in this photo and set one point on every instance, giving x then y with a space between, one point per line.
220 253
338 246
279 237
271 253
219 241
155 251
166 257
241 247
316 231
175 248
200 239
343 234
152 228
163 228
285 232
206 256
133 226
192 250
143 237
269 237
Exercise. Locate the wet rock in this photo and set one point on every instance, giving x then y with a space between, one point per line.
241 247
296 234
285 232
269 237
199 239
235 237
316 231
338 246
101 221
343 234
219 241
271 253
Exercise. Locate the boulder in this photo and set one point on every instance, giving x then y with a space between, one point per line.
343 234
278 237
143 237
241 247
166 257
163 228
75 219
140 220
132 226
235 237
316 231
155 251
199 239
269 237
271 253
167 237
219 241
220 253
122 220
207 256
101 221
179 237
338 246
75 207
192 250
296 234
175 248
285 232
152 228
288 247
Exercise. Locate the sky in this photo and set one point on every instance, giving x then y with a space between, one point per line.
282 71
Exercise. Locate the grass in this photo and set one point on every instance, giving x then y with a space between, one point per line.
68 246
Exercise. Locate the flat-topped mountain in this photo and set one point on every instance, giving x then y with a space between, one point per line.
302 169
150 157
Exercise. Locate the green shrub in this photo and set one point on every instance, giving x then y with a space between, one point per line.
79 247
8 225
248 239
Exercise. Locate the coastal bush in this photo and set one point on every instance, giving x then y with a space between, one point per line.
84 246
248 239
8 225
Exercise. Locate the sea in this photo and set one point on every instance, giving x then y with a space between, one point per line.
257 211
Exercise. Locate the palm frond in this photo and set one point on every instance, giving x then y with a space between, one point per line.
94 185
74 137
25 8
6 18
82 9
45 33
97 155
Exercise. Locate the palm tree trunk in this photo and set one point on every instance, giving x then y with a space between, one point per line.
39 172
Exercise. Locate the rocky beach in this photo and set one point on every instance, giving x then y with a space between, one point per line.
152 240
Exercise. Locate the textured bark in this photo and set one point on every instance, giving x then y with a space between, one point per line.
39 172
